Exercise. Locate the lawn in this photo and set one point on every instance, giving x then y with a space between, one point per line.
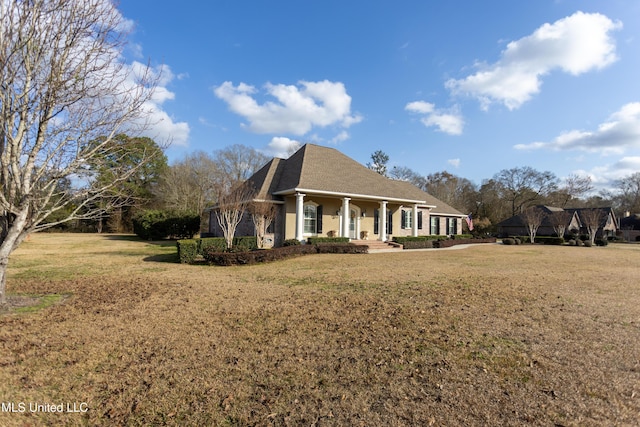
487 335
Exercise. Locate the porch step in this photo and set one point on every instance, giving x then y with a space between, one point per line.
377 245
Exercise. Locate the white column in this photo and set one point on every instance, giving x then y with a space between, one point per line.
414 223
346 217
299 216
382 221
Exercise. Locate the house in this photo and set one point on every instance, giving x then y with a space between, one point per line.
574 222
320 192
608 224
630 227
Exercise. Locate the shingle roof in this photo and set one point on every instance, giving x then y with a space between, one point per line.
314 168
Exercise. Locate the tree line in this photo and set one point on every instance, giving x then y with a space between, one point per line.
512 191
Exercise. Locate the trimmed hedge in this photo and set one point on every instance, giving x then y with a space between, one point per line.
187 254
187 250
275 254
427 242
549 240
417 244
402 239
453 242
317 240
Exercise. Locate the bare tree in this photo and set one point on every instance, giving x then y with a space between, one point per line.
575 186
629 193
190 184
232 205
262 214
592 219
64 95
533 218
238 162
524 186
560 221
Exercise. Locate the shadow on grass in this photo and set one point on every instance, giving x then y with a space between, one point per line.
170 258
134 238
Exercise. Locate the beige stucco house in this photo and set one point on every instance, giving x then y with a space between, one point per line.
319 191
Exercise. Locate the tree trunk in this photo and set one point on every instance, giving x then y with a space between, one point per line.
4 262
13 233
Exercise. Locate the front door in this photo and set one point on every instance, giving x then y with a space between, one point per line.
353 218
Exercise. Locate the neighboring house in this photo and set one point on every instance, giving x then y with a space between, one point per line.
516 225
608 223
319 191
630 227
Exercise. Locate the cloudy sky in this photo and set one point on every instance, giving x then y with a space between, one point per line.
464 86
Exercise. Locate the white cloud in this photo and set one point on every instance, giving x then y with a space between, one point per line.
420 107
450 123
605 176
297 109
454 162
576 44
342 136
160 126
281 146
620 132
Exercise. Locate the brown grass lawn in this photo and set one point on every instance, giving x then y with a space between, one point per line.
488 335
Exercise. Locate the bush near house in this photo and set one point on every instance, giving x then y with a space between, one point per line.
417 242
320 240
549 240
426 242
267 255
159 225
190 249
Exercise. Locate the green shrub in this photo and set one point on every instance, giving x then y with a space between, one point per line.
245 243
571 242
402 239
219 243
158 225
602 242
508 241
549 240
517 241
579 242
187 250
322 240
588 243
462 236
275 254
291 242
349 248
419 244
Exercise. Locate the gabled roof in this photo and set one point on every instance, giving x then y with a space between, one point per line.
325 170
518 221
606 216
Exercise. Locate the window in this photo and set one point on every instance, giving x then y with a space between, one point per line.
310 218
435 225
407 219
451 226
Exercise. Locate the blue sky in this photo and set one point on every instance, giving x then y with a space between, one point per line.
464 86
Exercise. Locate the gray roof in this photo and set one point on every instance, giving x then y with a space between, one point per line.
319 169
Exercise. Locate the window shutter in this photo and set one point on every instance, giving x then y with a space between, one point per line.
390 223
376 219
420 220
319 219
403 219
